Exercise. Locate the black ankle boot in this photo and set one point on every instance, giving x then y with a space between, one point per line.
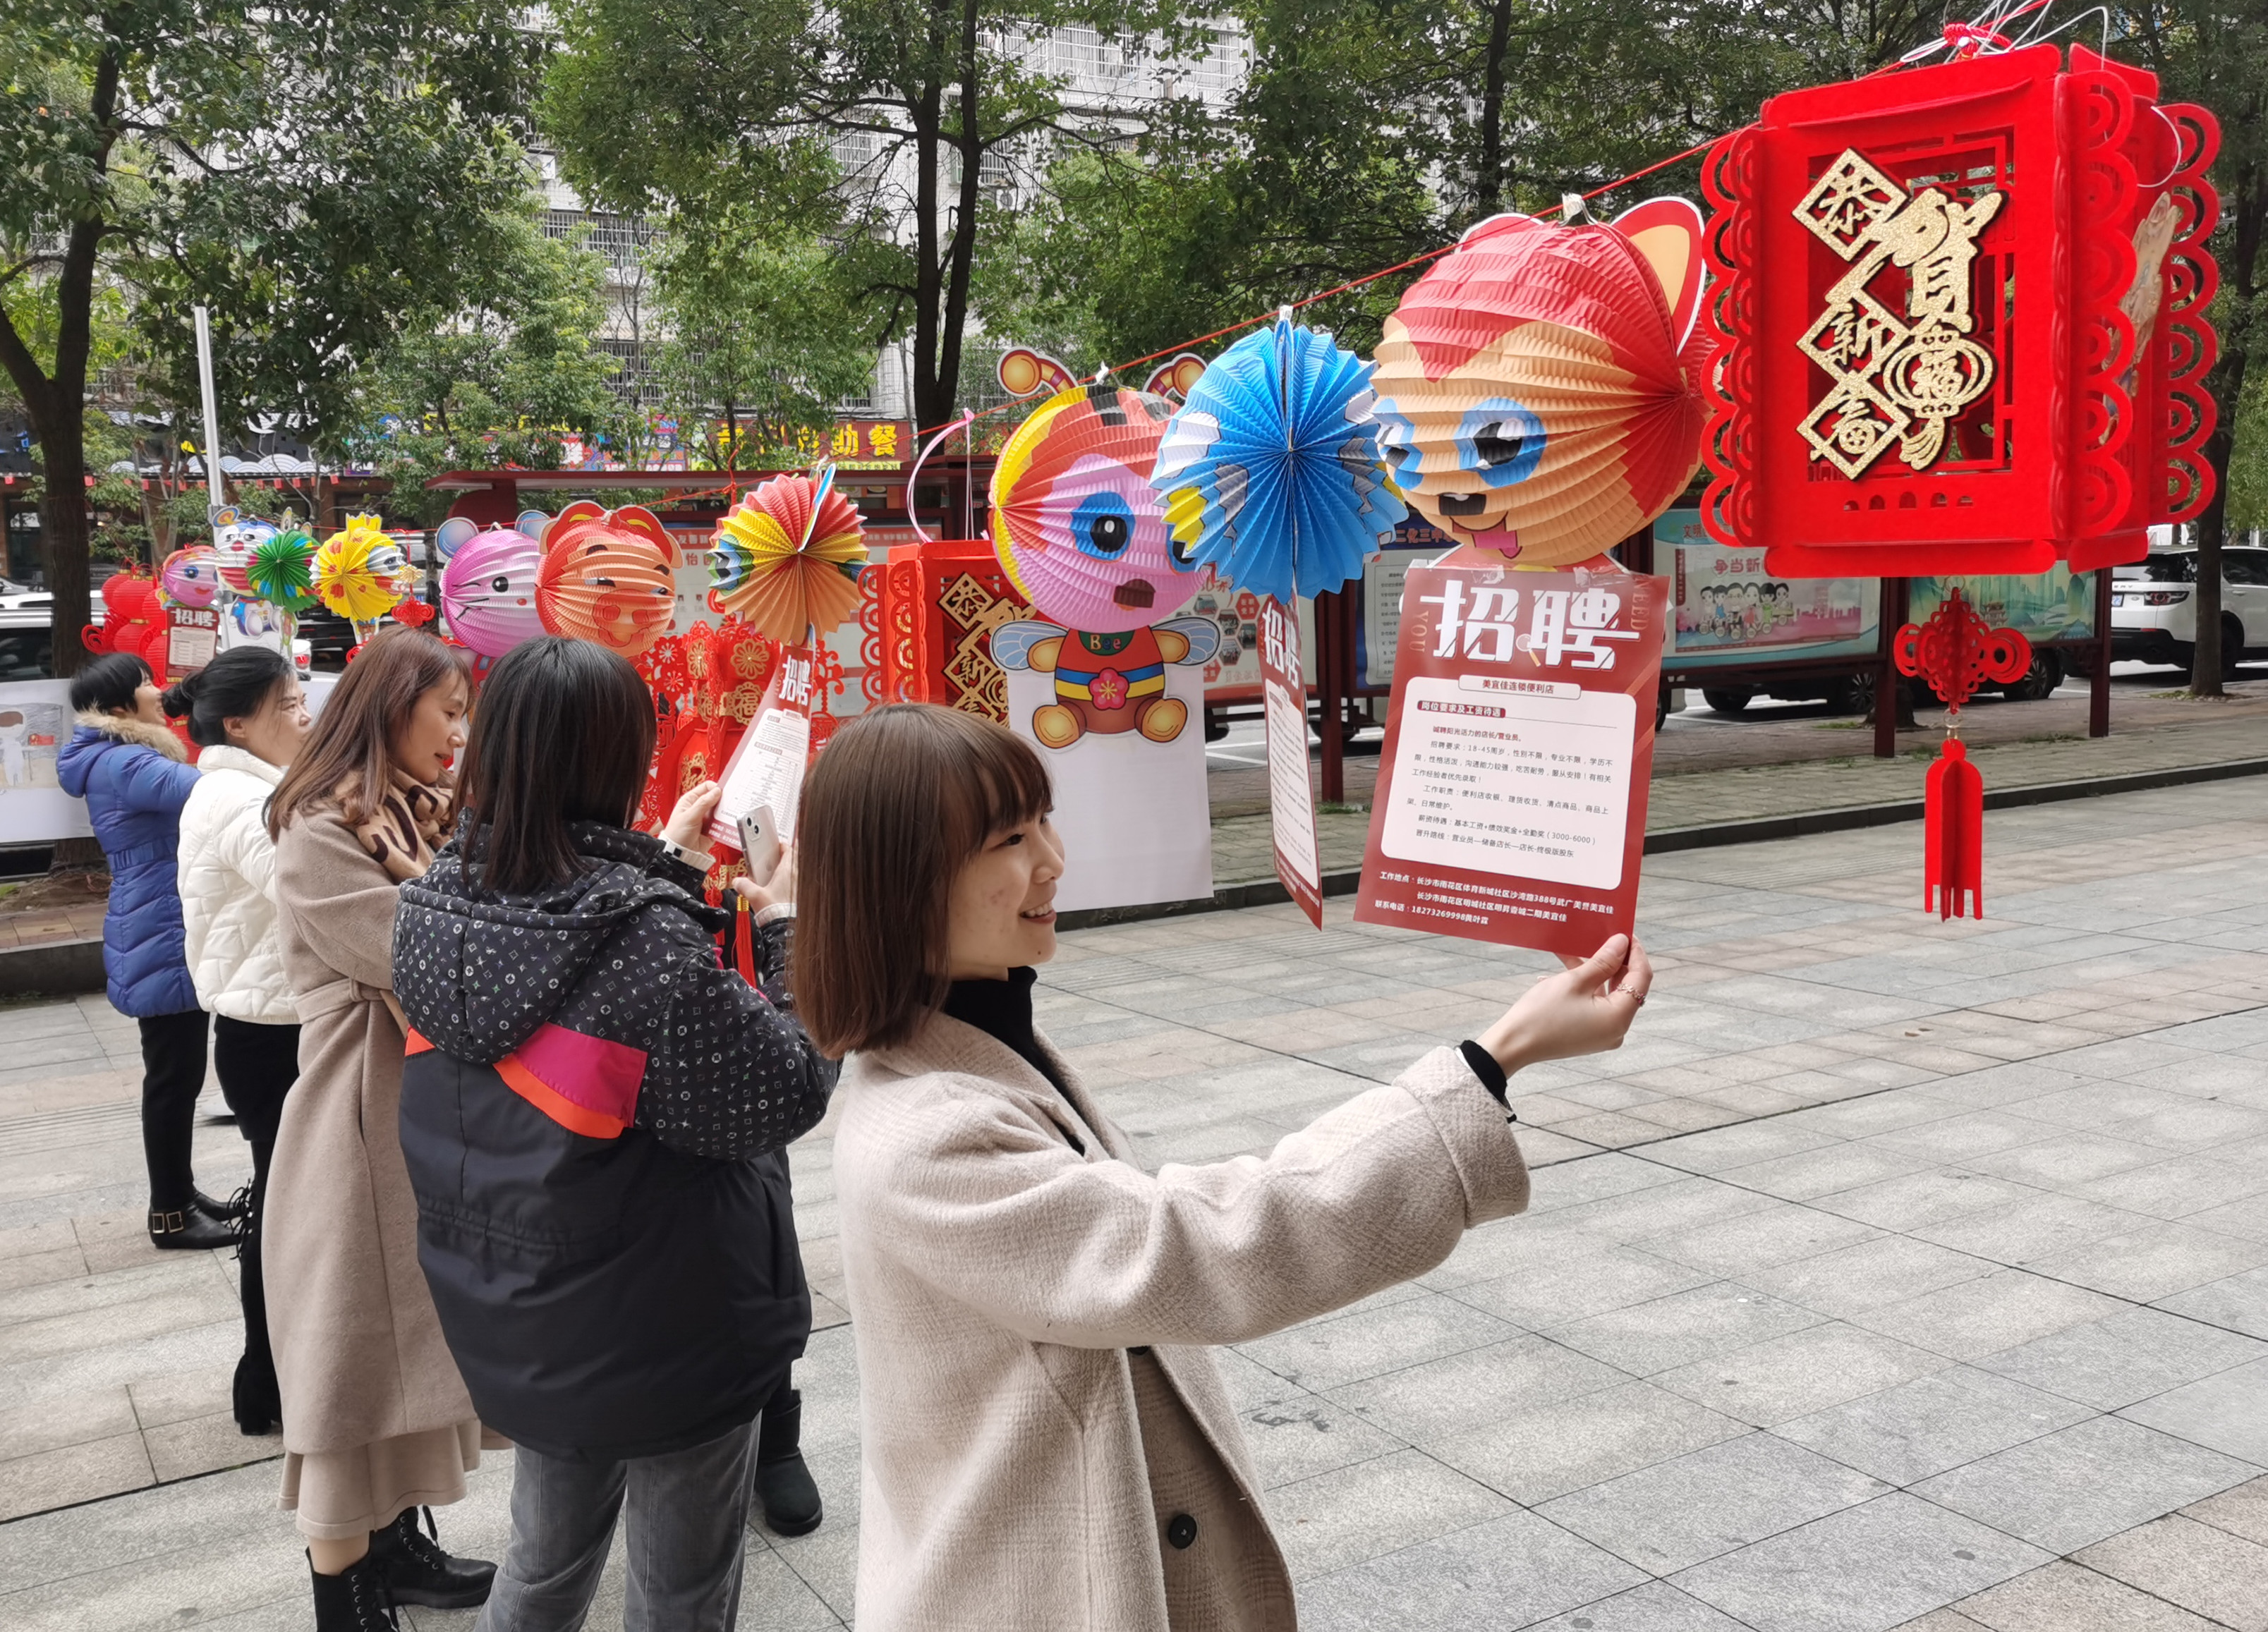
415 1570
784 1484
353 1600
228 1212
255 1398
189 1230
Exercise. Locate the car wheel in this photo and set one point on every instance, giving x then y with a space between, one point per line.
1216 725
1854 696
1726 698
2045 674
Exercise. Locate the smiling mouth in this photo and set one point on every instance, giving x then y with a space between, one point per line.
1040 914
1136 593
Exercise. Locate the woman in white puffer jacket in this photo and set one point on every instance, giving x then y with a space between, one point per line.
246 713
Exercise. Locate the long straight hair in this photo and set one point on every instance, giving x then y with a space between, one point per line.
902 799
563 733
348 758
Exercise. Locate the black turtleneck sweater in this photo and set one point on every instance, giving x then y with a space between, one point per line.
1003 1011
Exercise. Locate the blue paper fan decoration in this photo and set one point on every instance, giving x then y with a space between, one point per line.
1270 471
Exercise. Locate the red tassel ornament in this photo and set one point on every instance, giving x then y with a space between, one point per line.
1956 652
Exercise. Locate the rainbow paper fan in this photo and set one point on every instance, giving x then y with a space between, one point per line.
280 570
359 573
788 557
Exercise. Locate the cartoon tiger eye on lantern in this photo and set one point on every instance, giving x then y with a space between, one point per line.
1539 389
359 572
607 577
488 586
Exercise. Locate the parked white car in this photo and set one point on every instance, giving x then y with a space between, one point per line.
2154 607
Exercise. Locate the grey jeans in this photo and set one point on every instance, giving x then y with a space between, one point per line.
689 1514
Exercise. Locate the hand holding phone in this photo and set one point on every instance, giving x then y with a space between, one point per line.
760 843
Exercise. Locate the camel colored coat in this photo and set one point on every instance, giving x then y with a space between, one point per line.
1024 1459
360 1353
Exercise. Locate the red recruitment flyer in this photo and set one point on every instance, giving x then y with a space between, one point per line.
767 763
1511 800
1290 784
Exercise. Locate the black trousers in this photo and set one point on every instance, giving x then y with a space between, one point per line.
256 1065
173 1076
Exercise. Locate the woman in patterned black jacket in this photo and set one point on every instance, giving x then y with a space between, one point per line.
593 1113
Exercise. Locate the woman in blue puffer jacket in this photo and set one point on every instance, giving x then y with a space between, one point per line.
135 777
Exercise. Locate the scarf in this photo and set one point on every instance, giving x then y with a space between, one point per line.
406 827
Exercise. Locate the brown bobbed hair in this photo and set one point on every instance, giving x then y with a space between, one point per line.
347 759
901 800
563 733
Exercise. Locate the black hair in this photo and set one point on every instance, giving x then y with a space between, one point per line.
236 685
563 733
109 683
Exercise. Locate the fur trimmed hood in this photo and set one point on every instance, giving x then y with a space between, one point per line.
128 729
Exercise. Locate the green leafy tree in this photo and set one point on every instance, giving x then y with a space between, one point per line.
311 169
503 380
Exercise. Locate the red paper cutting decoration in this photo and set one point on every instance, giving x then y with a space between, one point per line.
1956 652
1963 313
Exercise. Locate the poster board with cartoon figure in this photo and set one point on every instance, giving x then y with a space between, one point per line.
35 721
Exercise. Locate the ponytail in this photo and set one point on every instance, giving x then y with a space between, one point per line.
236 685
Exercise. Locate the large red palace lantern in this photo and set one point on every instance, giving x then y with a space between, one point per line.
1963 313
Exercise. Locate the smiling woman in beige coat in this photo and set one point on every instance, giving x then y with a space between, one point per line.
1047 1444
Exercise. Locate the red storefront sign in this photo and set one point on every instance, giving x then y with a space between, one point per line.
1512 792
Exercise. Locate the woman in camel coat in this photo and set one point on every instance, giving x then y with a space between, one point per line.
377 1423
1046 1445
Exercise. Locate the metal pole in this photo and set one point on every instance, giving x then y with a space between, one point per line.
2098 683
1328 677
1886 670
212 410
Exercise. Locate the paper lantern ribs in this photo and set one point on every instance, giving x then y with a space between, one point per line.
1270 469
360 573
1963 314
190 578
607 577
788 556
487 582
1539 388
280 570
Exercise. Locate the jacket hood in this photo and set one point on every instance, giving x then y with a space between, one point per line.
478 971
97 734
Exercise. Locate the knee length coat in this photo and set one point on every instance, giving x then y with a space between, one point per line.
359 1354
1048 1446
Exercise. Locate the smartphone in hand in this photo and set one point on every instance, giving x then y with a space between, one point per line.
760 843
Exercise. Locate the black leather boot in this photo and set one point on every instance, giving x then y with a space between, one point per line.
409 1561
228 1212
785 1486
253 1398
353 1600
189 1230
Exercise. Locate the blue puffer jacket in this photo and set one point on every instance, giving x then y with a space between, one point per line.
135 779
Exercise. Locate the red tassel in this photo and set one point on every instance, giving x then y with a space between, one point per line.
1954 839
744 935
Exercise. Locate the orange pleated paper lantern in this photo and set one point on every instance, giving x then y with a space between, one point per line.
1540 388
788 558
606 576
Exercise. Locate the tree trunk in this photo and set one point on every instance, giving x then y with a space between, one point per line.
932 397
962 253
63 526
2240 277
1488 189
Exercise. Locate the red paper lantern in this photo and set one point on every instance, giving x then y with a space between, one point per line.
1963 312
935 611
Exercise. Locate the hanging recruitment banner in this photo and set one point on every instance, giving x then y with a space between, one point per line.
1511 801
767 766
1290 784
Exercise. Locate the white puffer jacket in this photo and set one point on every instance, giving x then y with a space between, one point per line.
228 880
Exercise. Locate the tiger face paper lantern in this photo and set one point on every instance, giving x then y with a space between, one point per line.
606 577
1539 389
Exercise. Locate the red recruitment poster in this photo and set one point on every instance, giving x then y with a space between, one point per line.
1511 800
767 765
1290 787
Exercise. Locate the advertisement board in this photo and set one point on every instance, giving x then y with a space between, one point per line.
2055 605
1727 610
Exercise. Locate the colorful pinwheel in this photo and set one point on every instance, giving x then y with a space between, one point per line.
788 557
280 570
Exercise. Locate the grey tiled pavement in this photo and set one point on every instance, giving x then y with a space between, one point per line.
1895 1273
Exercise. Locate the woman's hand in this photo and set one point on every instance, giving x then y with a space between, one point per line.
776 891
1586 1010
688 819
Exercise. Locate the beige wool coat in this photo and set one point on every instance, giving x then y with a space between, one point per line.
359 1354
1024 1458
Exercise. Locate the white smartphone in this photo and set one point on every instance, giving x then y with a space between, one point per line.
760 843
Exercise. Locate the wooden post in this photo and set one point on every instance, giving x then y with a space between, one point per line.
1886 670
1330 680
2098 682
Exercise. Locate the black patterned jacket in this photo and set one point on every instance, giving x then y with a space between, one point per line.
594 1112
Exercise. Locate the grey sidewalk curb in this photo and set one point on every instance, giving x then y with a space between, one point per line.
1269 892
64 967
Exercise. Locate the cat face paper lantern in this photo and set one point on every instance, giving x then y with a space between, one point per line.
360 574
1539 389
606 576
1963 316
1270 469
788 557
190 578
488 583
235 536
1077 524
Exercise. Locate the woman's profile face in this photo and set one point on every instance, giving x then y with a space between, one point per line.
1001 914
426 743
274 734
